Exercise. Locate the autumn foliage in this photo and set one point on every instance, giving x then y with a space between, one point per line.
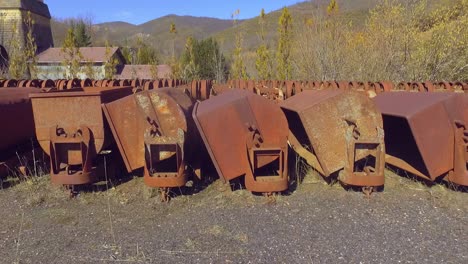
399 41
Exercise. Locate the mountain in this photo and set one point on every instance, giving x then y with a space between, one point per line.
354 12
156 32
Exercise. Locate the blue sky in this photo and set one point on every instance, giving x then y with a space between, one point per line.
140 11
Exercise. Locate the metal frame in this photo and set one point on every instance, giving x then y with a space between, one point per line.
62 142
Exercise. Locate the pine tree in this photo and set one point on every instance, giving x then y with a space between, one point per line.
82 38
203 60
283 53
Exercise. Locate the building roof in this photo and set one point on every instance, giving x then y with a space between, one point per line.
90 54
144 72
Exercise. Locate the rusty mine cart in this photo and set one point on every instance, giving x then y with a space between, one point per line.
426 134
246 136
71 129
154 130
340 134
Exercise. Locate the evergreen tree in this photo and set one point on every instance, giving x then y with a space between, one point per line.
203 60
82 38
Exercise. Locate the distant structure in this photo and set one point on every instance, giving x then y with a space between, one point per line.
50 65
50 62
49 59
13 13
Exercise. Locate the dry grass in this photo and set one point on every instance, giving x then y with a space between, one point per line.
222 232
38 191
220 194
35 191
397 182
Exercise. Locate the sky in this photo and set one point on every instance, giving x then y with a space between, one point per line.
141 11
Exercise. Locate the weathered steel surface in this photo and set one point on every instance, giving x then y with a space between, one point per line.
70 128
426 133
279 90
154 129
168 136
245 134
16 117
336 129
200 90
127 126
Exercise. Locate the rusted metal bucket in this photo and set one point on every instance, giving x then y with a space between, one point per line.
245 134
154 130
70 128
16 116
17 127
126 125
426 134
338 131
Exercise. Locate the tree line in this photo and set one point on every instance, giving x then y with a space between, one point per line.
400 40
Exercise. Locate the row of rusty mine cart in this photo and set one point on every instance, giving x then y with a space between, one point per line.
173 130
63 84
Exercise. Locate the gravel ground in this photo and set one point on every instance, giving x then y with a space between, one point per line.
317 223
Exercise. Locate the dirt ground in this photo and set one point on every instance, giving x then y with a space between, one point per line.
315 223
